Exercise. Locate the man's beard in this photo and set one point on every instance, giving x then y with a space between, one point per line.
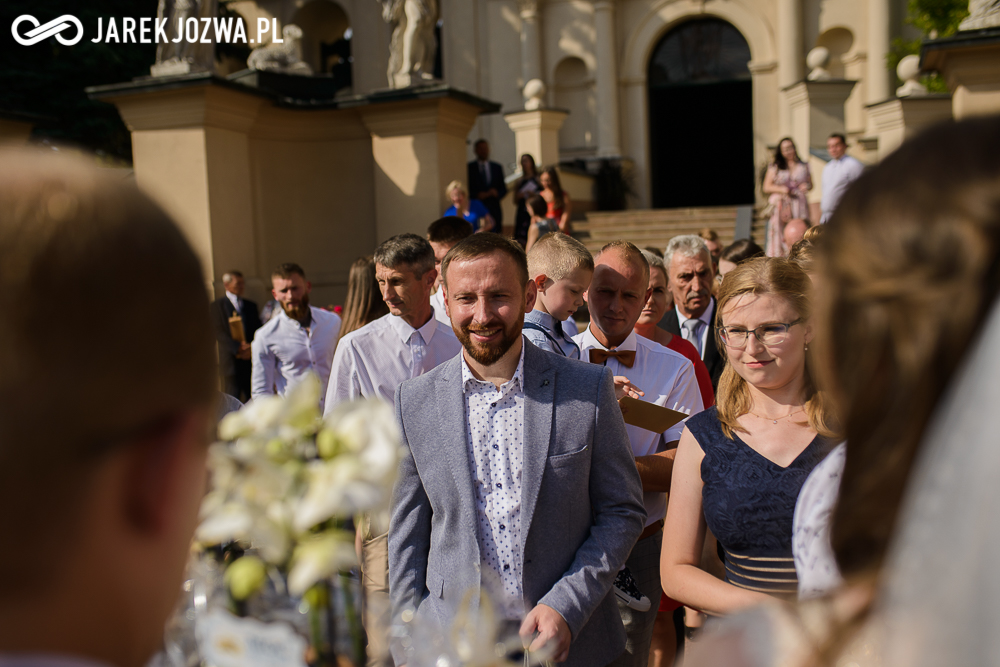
299 311
489 354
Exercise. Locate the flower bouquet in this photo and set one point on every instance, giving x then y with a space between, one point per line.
266 584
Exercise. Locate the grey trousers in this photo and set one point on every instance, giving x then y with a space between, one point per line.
644 562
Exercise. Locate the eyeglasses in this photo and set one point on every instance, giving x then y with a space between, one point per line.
767 334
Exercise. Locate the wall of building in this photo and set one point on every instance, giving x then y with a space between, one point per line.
483 54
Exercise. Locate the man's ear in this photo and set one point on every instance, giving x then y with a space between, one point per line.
164 465
530 294
430 277
444 293
309 287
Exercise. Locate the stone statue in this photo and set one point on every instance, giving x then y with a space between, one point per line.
413 45
183 56
285 57
982 14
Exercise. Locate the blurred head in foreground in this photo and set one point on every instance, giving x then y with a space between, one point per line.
908 272
105 408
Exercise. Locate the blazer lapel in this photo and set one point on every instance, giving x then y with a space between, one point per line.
453 440
539 394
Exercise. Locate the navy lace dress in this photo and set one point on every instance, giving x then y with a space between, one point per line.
749 501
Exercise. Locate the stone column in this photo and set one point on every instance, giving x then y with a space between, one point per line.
790 56
608 127
419 147
531 48
537 133
878 83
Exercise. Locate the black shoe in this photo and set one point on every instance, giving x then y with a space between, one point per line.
629 593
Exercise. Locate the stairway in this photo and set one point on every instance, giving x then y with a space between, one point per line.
655 227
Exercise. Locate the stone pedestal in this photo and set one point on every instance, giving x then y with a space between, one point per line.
254 184
537 134
418 146
896 120
969 62
817 111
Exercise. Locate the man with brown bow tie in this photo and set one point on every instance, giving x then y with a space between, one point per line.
617 293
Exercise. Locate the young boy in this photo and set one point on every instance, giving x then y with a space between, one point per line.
561 267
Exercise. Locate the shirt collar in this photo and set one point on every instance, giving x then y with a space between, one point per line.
545 320
405 331
468 377
233 298
312 315
589 340
705 317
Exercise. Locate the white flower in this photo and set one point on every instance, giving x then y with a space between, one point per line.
320 557
263 482
227 523
336 488
271 538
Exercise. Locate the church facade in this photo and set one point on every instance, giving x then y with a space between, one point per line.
692 94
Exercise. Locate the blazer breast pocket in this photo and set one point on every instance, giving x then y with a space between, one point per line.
571 459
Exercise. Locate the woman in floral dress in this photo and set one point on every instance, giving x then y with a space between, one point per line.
786 182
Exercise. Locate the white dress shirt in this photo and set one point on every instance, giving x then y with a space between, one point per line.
283 351
495 434
668 379
837 175
373 360
236 301
437 303
815 563
706 326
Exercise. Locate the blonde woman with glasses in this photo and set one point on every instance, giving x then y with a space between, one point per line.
740 465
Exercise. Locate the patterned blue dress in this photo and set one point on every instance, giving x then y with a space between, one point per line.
749 501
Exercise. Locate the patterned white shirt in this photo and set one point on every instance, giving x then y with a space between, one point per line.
668 379
837 175
372 361
815 564
283 351
495 433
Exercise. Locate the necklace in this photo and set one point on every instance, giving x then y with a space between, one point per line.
775 421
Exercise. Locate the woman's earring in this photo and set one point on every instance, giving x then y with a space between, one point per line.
807 347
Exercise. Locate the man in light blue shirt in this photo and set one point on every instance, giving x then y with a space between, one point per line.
838 173
300 340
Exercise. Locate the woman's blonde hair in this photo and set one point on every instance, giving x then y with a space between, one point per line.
777 277
455 185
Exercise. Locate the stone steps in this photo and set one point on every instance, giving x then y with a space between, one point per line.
655 227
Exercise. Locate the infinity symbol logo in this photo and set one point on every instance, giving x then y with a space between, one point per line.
41 32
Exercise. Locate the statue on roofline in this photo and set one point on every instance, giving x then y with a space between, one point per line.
413 45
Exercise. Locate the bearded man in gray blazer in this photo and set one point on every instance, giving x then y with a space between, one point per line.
518 476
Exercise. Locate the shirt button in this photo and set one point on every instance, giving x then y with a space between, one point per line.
496 447
493 405
503 527
506 567
499 485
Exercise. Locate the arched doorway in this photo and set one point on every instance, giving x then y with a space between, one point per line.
326 39
701 117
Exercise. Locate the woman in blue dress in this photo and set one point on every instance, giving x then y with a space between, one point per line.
739 465
472 210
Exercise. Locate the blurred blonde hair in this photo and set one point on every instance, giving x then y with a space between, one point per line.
455 185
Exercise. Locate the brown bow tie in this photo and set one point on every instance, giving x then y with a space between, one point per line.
625 357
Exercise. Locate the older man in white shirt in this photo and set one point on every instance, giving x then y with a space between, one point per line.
839 172
300 340
617 293
370 363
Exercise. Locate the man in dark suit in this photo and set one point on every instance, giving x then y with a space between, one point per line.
234 356
486 182
689 278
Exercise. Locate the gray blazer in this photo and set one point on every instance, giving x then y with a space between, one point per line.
581 500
